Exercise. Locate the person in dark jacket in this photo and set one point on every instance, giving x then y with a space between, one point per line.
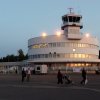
84 76
60 77
23 75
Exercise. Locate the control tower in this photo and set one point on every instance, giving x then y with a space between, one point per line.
72 25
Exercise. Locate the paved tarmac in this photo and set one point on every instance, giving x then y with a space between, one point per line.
45 87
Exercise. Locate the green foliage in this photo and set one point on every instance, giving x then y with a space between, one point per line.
13 58
21 55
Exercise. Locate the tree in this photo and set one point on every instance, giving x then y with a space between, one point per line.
14 58
21 55
1 60
26 56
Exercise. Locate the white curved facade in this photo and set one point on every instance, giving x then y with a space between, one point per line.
65 51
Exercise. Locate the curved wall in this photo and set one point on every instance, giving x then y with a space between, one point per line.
54 48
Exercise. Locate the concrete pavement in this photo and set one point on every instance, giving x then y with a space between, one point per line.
45 87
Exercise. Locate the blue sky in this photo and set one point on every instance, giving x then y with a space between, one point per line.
21 20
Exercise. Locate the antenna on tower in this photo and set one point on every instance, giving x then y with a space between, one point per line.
70 10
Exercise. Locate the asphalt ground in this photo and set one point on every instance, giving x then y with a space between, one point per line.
45 87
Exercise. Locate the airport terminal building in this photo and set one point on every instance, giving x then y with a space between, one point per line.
67 51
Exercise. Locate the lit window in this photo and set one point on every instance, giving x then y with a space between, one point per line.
83 55
71 55
79 55
75 55
75 65
79 64
87 56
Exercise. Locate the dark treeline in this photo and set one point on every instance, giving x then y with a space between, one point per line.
14 58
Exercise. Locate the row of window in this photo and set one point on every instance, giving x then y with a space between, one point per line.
63 55
70 65
71 19
63 44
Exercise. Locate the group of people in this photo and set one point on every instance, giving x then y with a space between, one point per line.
26 74
68 80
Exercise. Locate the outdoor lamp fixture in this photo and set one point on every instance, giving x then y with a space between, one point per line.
44 34
87 35
58 33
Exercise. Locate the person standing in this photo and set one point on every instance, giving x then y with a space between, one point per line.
23 75
60 77
16 71
28 74
84 76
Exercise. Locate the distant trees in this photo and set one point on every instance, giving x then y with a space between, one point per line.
13 58
21 55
